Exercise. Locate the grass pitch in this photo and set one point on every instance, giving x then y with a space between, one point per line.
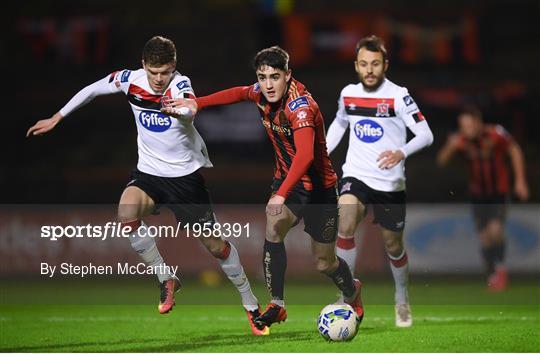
119 315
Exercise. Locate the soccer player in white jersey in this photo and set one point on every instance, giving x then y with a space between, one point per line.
378 113
171 152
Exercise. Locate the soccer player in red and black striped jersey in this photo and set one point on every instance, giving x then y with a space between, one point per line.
485 148
304 184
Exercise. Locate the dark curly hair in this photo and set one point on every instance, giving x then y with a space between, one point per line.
274 57
159 51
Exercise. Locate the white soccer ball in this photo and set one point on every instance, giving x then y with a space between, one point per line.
338 322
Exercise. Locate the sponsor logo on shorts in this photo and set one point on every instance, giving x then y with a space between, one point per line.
368 131
346 187
329 232
155 121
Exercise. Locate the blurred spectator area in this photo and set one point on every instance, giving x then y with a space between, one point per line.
446 53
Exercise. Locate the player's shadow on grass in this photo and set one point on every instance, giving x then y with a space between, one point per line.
74 347
225 340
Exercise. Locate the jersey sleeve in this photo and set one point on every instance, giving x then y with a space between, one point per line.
502 137
106 86
253 92
183 88
407 109
341 113
301 113
120 80
228 96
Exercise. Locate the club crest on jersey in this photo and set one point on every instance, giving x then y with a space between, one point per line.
155 121
368 131
297 103
256 88
383 110
183 85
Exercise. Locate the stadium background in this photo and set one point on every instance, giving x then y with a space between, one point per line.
446 53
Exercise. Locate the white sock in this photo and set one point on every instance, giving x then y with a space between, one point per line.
235 272
280 303
146 248
346 249
400 272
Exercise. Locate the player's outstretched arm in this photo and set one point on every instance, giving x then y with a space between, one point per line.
228 96
84 96
521 188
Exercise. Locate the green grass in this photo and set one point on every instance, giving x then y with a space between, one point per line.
459 316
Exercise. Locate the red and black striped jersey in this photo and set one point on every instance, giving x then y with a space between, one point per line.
488 172
296 110
282 121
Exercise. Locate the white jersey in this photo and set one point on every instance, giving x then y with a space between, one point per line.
167 146
377 122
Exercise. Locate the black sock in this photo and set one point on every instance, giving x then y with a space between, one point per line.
498 252
489 258
343 279
274 265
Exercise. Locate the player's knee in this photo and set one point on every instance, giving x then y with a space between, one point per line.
276 230
348 219
346 227
325 265
127 213
394 247
215 246
494 227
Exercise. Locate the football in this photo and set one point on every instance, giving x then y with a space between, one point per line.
338 322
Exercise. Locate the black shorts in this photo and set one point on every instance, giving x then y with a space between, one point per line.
388 207
490 208
318 208
187 196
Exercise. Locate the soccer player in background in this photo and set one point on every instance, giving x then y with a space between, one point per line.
485 147
171 152
304 184
378 113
